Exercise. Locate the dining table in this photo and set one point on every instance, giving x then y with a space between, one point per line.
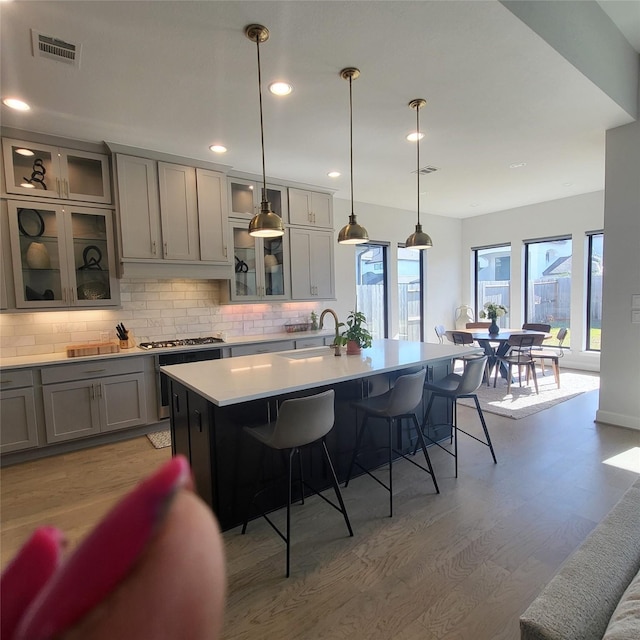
496 345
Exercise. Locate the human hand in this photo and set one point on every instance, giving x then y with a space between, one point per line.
153 568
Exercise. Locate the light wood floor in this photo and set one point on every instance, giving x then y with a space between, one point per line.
460 565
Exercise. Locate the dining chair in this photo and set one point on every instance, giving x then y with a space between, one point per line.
478 325
300 422
440 332
519 355
398 403
553 354
454 387
537 326
464 339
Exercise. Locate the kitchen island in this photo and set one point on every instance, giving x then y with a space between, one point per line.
212 400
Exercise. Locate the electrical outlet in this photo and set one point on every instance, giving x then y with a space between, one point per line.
104 336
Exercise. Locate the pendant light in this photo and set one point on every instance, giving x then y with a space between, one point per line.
418 239
352 232
265 224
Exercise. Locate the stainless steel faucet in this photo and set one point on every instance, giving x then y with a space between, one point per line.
335 317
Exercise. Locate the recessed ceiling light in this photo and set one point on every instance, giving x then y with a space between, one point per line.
567 184
334 174
218 148
25 152
517 165
280 88
18 105
414 136
474 204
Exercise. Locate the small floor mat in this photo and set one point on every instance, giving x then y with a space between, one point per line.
160 439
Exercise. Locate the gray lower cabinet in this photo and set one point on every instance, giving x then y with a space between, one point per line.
18 422
91 398
262 347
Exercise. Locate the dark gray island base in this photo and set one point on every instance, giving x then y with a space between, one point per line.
226 462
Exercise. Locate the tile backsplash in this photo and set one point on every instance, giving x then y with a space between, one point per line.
151 310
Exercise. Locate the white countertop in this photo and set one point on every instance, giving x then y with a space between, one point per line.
235 380
59 357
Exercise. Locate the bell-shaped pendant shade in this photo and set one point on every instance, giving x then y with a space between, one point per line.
266 224
419 239
352 232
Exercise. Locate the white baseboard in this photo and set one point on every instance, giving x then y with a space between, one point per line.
618 419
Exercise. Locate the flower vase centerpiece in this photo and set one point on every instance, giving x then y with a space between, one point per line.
493 312
356 336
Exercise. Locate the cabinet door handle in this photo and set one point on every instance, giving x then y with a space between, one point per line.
93 392
224 250
66 188
153 247
94 370
166 253
58 186
199 417
6 381
176 402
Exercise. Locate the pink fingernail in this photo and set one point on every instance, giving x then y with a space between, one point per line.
27 573
106 556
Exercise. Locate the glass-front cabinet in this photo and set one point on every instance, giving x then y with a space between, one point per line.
259 266
62 255
245 197
42 171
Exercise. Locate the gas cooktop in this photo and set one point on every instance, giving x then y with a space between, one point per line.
186 342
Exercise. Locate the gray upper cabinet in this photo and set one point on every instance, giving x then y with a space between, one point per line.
43 171
137 181
212 207
310 208
312 272
245 197
178 212
63 255
171 213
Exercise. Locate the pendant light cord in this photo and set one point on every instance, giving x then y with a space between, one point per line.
351 139
264 170
418 157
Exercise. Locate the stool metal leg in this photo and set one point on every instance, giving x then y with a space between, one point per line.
484 427
336 487
454 433
424 450
288 539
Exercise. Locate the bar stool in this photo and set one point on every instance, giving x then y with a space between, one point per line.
397 403
300 422
456 386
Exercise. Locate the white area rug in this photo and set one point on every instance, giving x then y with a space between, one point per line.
523 401
160 439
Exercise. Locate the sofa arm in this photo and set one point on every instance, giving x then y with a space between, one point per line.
579 601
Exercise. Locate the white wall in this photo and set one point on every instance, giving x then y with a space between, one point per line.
620 366
442 289
569 216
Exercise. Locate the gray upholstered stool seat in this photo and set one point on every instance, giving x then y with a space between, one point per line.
397 403
300 422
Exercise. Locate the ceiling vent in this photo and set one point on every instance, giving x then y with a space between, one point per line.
423 171
55 49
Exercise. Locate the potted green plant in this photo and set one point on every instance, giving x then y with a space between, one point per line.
493 312
356 336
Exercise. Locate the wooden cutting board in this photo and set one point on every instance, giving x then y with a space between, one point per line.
91 349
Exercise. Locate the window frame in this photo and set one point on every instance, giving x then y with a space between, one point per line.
476 296
384 246
590 236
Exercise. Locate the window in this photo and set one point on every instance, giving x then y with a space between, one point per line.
594 290
548 282
493 278
371 286
410 305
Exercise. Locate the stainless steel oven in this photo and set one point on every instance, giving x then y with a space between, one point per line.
163 359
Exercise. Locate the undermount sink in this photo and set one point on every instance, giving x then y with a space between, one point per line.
303 354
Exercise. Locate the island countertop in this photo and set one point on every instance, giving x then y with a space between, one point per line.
235 380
